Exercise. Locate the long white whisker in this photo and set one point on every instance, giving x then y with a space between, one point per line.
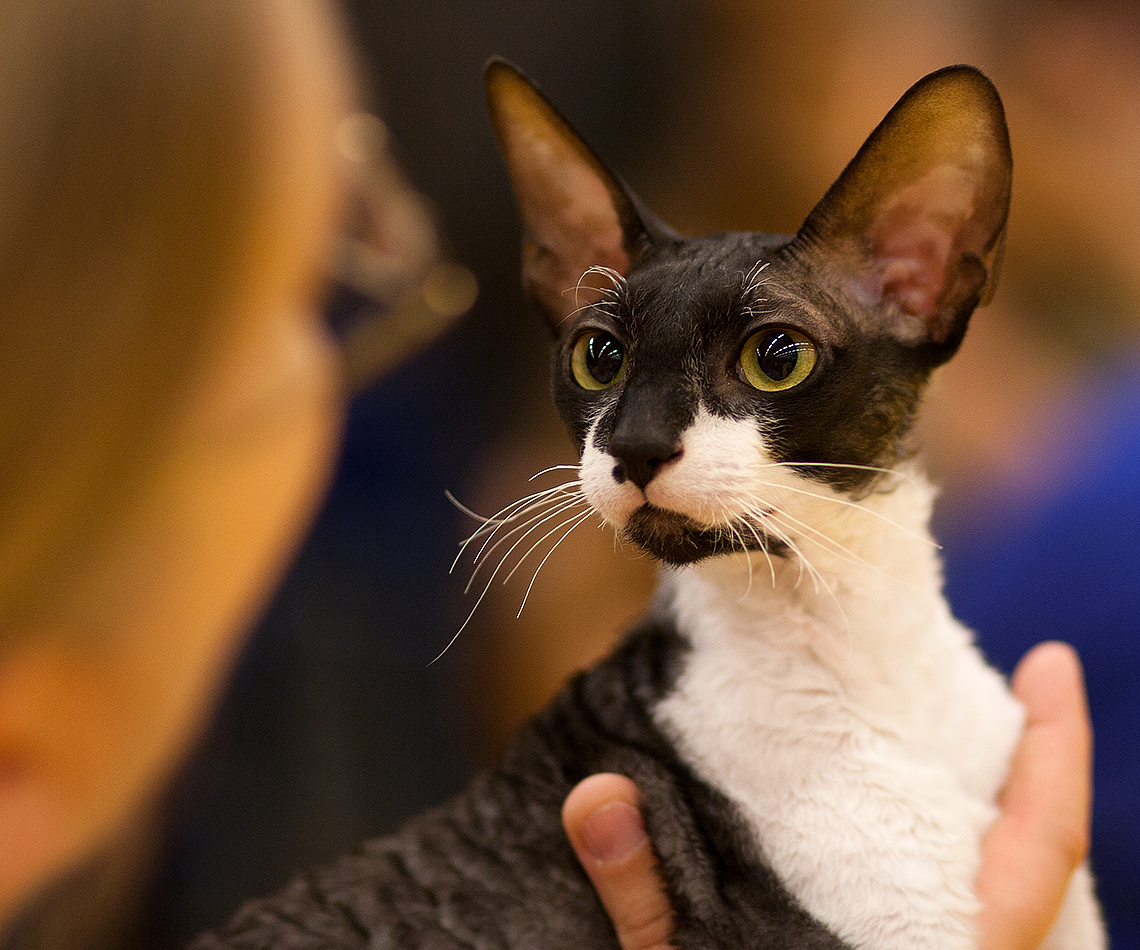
557 468
512 512
519 520
801 561
579 516
615 277
492 526
508 512
576 310
463 626
847 503
783 534
829 543
818 581
780 532
824 540
528 527
738 536
852 466
573 522
495 572
534 508
462 507
749 520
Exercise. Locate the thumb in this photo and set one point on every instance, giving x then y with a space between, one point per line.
602 818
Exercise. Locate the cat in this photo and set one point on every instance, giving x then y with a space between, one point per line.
818 743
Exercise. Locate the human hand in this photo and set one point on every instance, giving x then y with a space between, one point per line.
1028 856
1042 833
602 818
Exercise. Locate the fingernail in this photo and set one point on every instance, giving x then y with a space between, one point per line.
613 832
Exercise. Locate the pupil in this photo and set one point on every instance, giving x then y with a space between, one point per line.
603 358
779 357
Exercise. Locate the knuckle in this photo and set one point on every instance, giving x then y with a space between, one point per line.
648 934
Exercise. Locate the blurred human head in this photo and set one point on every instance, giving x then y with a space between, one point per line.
169 400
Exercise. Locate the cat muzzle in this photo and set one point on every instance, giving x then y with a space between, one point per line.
678 539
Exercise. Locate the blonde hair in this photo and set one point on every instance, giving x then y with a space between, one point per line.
129 135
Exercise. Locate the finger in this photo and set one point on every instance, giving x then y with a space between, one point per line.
602 818
1056 751
1042 833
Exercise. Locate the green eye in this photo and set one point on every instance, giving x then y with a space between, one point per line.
776 359
597 361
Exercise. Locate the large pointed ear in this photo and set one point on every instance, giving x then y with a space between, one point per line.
916 223
576 214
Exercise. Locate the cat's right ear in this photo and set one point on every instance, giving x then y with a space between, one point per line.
915 224
576 213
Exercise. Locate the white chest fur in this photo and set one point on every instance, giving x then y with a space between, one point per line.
866 756
855 725
832 696
864 740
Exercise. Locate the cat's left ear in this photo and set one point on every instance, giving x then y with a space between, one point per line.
916 222
576 213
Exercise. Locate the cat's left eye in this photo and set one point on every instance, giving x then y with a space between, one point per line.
775 359
597 361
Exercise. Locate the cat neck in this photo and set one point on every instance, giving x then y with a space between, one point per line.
872 583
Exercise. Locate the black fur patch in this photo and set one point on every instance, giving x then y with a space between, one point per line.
492 868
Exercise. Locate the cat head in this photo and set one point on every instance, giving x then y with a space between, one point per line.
704 377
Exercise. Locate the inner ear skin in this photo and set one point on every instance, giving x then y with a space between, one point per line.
962 295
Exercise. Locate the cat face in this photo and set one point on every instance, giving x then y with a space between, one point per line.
706 387
717 385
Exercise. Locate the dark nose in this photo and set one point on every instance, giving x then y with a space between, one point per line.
640 456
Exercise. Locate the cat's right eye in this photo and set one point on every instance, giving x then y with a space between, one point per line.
598 360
